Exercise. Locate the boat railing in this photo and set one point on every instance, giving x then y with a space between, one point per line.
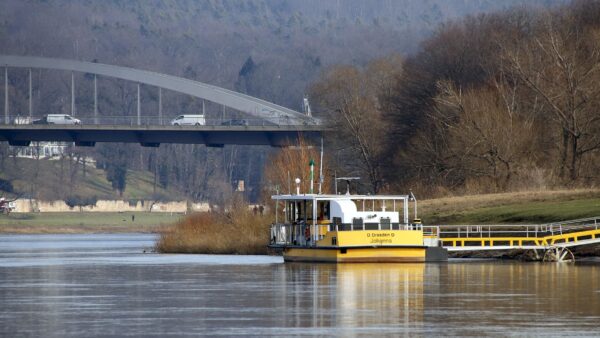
373 226
286 233
281 234
431 235
431 231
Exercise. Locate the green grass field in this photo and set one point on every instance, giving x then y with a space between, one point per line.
85 222
512 208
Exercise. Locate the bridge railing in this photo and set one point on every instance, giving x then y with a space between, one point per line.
164 121
518 230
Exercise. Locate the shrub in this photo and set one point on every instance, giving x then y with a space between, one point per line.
6 185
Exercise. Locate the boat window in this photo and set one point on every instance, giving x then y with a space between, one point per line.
309 209
385 223
345 227
323 210
357 223
370 226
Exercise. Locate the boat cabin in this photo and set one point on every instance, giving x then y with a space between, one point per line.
306 219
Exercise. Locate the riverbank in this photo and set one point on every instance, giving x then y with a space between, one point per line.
527 207
513 208
86 222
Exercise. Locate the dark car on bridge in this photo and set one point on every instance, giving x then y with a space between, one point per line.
235 122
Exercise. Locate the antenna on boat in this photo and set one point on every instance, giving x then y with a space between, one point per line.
312 175
335 180
321 168
412 196
347 179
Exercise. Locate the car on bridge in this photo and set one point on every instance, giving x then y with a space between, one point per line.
235 122
188 120
57 119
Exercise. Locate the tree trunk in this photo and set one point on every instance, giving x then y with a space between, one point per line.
574 158
564 153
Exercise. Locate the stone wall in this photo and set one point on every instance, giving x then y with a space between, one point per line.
32 205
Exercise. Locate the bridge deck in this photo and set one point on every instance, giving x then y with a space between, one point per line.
88 135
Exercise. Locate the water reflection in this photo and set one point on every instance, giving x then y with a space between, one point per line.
102 287
350 296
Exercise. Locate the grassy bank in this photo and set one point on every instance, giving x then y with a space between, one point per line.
85 222
238 232
46 179
512 208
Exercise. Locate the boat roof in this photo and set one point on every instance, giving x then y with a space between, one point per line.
323 197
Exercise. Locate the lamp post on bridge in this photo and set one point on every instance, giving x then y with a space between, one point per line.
72 93
160 121
95 99
139 122
6 119
30 99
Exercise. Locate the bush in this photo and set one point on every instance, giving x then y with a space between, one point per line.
79 201
236 232
6 185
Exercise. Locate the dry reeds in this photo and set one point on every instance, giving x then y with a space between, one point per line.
236 232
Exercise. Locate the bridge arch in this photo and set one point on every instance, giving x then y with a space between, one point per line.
254 106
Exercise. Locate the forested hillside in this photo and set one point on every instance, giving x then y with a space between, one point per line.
274 50
496 102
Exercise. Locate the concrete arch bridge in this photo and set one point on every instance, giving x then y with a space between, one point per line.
270 124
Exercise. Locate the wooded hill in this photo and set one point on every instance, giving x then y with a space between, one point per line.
273 50
494 102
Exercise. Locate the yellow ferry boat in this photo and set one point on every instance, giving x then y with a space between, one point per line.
351 228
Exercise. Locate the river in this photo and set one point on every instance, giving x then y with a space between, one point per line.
113 285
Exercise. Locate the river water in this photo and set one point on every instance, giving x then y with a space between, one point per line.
113 285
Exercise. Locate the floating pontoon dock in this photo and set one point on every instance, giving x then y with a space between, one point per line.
552 240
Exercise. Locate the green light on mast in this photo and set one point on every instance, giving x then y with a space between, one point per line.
312 174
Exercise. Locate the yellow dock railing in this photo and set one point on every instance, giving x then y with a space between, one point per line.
531 236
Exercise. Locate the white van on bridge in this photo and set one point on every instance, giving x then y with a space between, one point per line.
188 120
57 119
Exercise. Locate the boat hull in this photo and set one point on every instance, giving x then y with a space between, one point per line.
356 254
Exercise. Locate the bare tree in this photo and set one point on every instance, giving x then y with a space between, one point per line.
489 133
561 65
353 101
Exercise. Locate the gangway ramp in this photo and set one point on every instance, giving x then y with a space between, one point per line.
552 239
